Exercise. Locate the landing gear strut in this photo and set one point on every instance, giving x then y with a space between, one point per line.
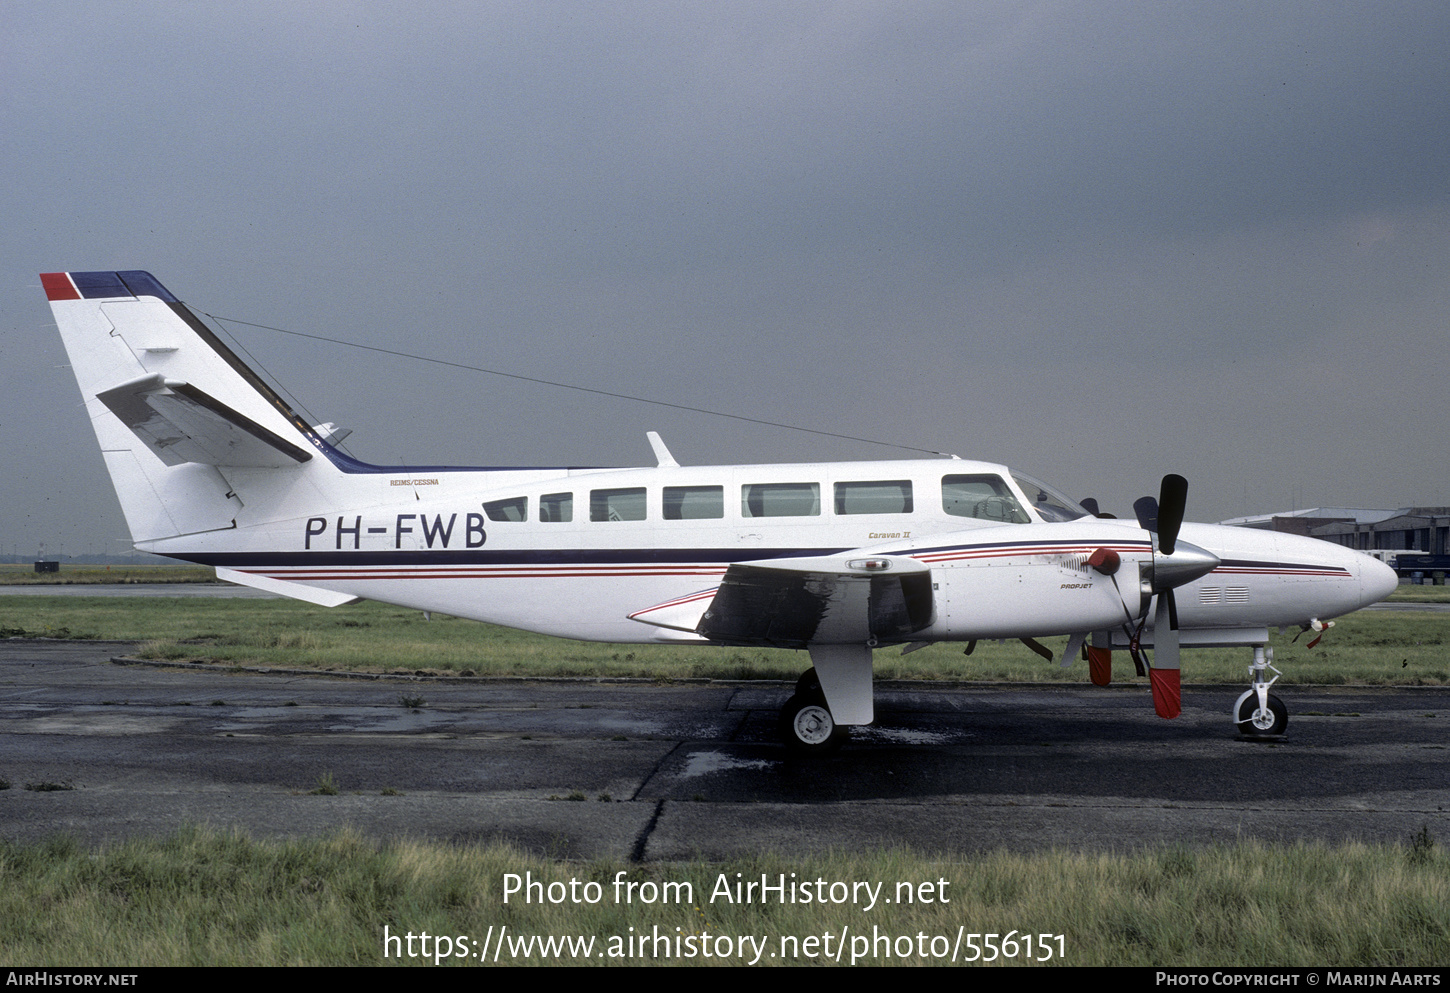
1258 712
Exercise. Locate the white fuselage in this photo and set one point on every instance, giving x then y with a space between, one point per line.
493 546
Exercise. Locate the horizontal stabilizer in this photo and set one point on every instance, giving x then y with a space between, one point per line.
296 591
850 598
179 423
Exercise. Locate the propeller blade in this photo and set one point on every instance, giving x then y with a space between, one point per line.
1167 692
1038 647
1147 510
1167 695
1165 622
1090 504
1075 645
1172 499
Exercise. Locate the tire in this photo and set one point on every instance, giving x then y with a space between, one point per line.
807 726
808 683
1256 724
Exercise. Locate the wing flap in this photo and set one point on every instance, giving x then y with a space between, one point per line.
838 599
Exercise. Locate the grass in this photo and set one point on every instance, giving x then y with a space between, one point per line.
203 897
1376 648
1420 594
12 574
326 786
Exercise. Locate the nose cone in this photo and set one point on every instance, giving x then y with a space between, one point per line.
1376 580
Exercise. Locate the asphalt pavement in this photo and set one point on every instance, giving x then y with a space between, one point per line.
635 770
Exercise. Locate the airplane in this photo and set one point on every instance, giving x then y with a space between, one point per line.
840 559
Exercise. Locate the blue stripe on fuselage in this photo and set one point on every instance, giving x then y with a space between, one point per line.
504 557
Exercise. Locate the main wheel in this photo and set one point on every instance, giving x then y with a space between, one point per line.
1254 721
808 683
807 726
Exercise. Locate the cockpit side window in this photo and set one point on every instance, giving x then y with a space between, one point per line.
983 496
1050 505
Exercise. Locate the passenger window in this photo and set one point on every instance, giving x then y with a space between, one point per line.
617 505
512 509
556 508
780 500
889 497
985 497
694 503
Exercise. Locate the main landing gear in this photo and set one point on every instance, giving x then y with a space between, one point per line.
806 723
1258 712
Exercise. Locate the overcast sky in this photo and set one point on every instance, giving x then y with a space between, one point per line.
1097 241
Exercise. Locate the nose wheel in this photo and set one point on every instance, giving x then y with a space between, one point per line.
1256 720
1258 713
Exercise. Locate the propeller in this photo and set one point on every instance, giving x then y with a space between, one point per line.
1090 504
1172 566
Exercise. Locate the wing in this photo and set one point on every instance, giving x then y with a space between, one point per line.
849 598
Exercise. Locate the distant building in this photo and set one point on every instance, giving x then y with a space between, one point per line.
1302 521
1419 529
1411 539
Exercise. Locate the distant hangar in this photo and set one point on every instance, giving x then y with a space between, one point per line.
1414 540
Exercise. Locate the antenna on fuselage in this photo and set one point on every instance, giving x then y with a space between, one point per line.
662 454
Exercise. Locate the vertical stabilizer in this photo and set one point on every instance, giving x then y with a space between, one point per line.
179 417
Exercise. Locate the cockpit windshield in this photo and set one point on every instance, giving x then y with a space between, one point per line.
1050 505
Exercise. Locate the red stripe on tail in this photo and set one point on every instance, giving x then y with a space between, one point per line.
58 286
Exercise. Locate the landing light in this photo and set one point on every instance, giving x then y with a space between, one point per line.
869 565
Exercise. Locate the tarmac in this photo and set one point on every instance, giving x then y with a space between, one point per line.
646 772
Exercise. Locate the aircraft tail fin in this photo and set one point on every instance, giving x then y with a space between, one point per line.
182 422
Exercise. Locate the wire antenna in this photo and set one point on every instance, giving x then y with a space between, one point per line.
571 386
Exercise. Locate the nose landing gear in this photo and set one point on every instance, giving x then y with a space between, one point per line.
1258 713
